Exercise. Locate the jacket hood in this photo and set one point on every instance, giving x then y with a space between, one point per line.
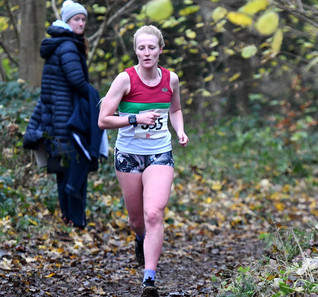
59 35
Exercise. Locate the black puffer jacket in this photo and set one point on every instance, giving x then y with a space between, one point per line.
64 75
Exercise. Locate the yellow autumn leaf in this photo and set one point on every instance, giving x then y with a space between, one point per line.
254 6
220 26
45 236
189 101
239 18
4 24
78 244
229 51
199 25
132 271
209 78
235 76
236 220
170 23
193 51
312 204
190 34
314 212
121 224
189 10
118 213
217 186
286 188
267 23
180 187
50 275
219 13
211 58
270 277
158 10
248 51
130 238
32 222
169 213
279 206
208 200
277 41
180 234
205 93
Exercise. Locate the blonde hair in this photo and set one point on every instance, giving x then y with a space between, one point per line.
152 30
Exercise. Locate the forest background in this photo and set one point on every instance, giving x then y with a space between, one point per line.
248 76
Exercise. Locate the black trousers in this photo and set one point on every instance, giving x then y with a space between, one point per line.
72 188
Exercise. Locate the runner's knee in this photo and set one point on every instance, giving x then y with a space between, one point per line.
153 217
137 223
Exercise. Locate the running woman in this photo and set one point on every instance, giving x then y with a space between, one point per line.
146 95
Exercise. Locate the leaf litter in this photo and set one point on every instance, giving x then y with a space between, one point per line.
211 228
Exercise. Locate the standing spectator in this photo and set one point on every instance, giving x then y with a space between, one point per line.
145 95
65 117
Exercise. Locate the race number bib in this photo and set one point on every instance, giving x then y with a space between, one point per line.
159 129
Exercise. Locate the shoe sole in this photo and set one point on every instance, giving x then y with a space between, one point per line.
150 292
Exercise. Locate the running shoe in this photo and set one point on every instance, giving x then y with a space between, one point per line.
139 249
149 289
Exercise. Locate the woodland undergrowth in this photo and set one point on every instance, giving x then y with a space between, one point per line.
256 174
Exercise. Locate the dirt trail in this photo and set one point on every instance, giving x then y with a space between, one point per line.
99 264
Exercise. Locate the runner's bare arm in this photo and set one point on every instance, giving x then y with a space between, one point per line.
119 87
110 102
176 116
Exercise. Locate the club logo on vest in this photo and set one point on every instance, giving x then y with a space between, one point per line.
164 89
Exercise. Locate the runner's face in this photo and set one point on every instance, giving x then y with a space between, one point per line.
147 50
78 23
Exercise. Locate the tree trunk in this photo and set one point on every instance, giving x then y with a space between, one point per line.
33 16
238 91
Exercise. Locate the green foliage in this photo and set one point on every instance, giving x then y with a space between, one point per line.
243 286
223 52
250 148
277 273
285 243
16 105
17 101
158 10
215 176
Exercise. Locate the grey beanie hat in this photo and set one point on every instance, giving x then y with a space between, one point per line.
70 8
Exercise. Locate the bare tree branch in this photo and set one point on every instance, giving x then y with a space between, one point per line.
300 5
8 52
56 13
2 73
12 20
95 38
301 13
